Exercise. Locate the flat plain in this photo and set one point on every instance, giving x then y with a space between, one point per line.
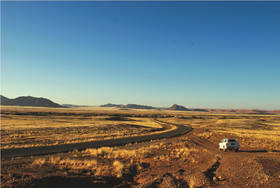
188 160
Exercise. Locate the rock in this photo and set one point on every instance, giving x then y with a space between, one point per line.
145 165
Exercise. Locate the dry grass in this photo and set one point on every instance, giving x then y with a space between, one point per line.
66 163
174 161
33 126
79 165
114 161
193 181
260 132
29 127
118 168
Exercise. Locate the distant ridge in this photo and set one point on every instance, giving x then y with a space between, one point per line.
29 101
137 106
74 106
244 111
3 99
111 105
275 111
178 108
198 110
43 102
134 106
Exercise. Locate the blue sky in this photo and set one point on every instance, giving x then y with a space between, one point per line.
196 54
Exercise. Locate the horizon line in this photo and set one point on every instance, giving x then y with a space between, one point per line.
94 105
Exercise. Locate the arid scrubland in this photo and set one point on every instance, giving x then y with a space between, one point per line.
188 160
261 132
122 164
20 129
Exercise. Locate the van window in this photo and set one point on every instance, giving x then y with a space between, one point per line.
231 140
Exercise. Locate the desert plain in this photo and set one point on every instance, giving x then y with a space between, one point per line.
189 159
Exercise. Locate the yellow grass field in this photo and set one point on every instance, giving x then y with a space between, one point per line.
29 127
189 160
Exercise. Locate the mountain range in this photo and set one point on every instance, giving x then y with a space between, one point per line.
176 107
43 102
135 106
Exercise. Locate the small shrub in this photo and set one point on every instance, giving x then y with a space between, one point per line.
40 161
118 168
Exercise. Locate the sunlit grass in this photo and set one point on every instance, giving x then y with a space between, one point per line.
24 128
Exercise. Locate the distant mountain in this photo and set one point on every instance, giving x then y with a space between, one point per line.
178 108
111 105
243 111
198 110
137 106
238 111
3 99
29 101
74 106
274 111
134 106
43 102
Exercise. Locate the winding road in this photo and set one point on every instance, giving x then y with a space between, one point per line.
16 152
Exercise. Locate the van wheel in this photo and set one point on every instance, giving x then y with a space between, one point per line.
236 150
225 150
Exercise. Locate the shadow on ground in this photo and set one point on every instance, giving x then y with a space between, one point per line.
71 182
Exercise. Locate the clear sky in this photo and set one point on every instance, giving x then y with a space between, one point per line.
196 54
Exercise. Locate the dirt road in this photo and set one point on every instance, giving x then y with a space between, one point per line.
95 144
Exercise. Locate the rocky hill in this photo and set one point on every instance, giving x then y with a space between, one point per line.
178 108
3 99
29 101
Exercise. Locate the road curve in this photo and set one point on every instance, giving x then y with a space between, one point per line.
16 152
